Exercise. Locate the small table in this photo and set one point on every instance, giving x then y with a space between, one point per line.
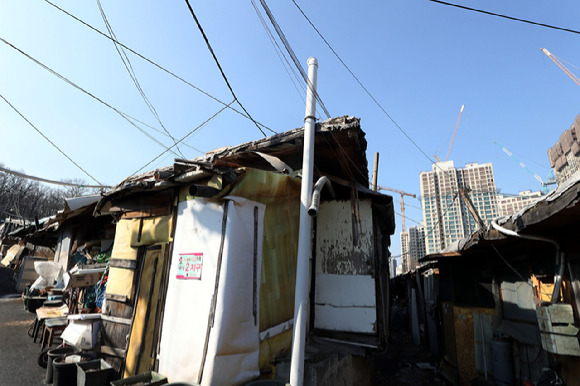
43 313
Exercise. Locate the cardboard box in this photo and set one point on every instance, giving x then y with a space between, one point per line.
82 330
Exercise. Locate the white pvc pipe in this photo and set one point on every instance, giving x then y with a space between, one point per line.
304 244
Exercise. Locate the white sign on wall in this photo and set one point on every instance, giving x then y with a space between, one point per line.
189 266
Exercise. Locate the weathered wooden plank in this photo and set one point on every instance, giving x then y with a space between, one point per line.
112 351
115 335
123 263
137 212
117 298
114 319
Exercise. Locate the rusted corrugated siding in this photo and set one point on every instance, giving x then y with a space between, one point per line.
281 195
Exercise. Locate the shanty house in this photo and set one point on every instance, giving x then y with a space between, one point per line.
508 297
203 268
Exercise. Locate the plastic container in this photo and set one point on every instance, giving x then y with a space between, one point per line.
65 374
35 302
94 373
150 378
52 355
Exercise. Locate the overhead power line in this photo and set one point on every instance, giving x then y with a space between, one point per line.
129 67
362 86
62 77
505 16
181 79
61 183
219 65
292 54
290 70
185 137
49 141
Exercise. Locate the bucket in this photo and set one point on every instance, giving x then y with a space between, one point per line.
52 355
64 374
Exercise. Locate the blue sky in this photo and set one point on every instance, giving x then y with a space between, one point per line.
419 59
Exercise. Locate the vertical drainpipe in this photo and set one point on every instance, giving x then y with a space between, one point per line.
304 240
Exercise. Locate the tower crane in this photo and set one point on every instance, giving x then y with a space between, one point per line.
561 65
453 137
549 181
454 132
402 202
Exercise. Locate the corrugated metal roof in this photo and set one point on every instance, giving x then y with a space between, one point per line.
340 152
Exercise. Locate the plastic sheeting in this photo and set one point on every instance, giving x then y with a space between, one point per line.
210 332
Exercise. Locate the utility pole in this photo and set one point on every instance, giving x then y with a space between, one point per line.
375 172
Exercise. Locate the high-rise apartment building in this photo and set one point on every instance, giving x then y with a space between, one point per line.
416 245
565 154
445 213
412 247
393 267
405 256
508 205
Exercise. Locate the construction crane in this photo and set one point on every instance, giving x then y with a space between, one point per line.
561 65
402 202
549 181
454 132
453 137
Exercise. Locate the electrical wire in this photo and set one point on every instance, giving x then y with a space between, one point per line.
505 16
61 183
219 65
292 54
155 64
123 115
129 67
408 218
283 59
363 87
49 141
187 135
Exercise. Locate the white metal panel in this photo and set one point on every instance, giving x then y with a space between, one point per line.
63 248
345 290
342 246
352 319
345 303
233 343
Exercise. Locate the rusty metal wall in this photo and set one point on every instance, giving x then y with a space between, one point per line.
344 238
281 195
345 292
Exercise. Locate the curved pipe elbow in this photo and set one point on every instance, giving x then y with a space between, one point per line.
315 199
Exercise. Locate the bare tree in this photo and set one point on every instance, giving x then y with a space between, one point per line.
24 198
